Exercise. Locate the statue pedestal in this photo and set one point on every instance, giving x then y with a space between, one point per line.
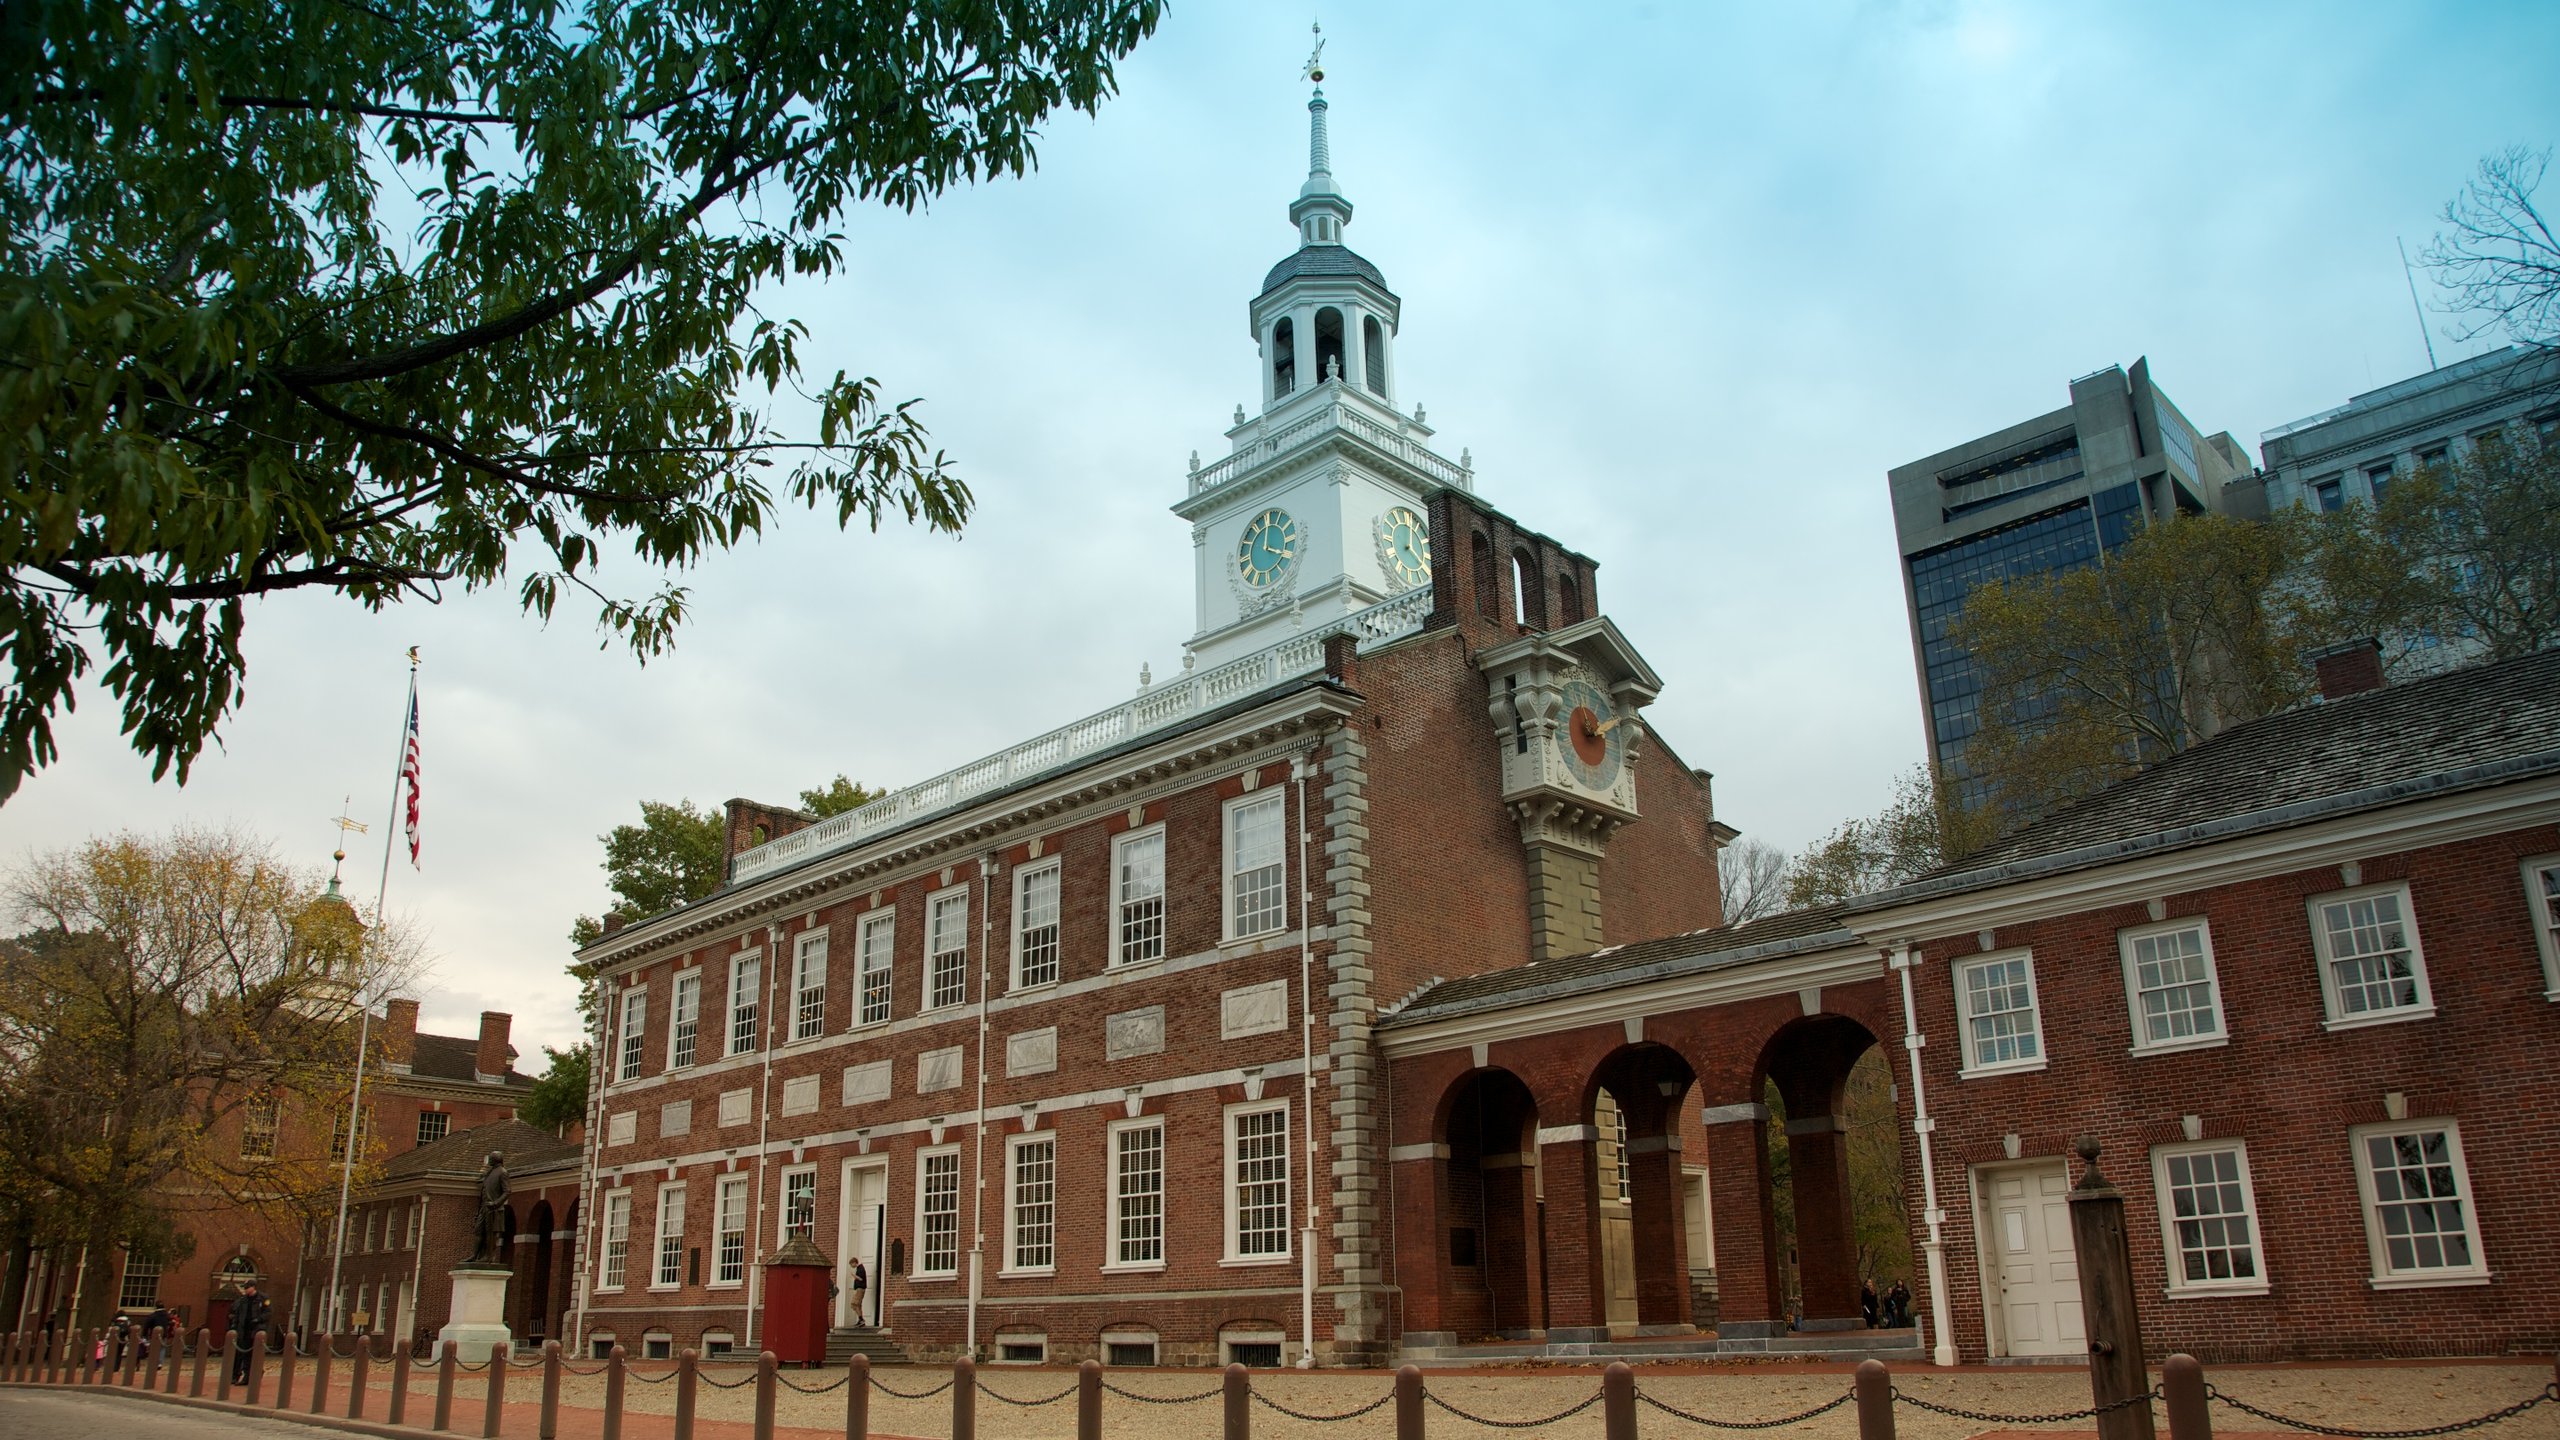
479 1311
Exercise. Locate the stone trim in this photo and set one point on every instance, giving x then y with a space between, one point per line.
1362 1297
1728 1114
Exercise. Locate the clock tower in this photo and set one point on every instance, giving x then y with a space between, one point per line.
1319 508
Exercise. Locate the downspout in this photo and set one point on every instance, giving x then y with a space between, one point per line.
1903 962
579 1252
418 1274
978 1128
765 1015
1307 1067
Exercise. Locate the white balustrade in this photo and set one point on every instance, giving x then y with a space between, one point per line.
1310 428
1161 706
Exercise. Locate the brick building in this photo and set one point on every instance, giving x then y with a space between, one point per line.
1072 1045
2299 982
420 1219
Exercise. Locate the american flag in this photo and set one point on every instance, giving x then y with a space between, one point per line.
409 774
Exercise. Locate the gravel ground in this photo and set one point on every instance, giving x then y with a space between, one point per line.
2379 1396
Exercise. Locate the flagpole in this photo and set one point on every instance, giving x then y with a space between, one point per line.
364 1021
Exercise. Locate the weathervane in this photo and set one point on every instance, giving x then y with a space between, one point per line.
345 823
1315 57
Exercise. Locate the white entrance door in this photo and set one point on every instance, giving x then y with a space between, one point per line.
2034 1274
859 1235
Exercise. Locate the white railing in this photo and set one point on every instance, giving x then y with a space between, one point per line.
1308 429
1154 709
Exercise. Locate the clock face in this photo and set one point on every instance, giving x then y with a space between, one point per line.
1404 547
1269 551
1593 742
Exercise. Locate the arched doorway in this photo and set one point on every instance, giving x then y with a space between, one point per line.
241 1269
1808 1063
537 1274
1639 1194
1493 1251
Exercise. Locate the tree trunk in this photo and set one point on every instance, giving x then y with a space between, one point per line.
99 1287
17 1235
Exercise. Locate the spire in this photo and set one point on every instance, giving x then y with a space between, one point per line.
1320 211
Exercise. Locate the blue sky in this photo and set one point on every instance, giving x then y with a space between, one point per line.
1686 279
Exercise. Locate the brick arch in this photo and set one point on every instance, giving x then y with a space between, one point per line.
1808 1060
1487 1248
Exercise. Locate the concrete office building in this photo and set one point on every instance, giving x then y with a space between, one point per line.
2352 452
2042 496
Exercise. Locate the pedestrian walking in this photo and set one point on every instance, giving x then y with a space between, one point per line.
249 1316
857 1280
1867 1303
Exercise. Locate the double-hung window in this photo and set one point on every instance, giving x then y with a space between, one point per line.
684 1020
617 1240
260 1116
141 1287
1137 1194
809 986
938 1212
877 947
1031 1203
635 1030
729 1237
1257 852
1137 869
2418 1212
799 1202
947 948
1258 1182
670 1236
2208 1218
434 1125
1035 925
2169 982
2371 969
2542 897
1996 998
746 979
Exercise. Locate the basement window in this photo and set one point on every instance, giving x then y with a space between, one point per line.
1128 1349
1022 1349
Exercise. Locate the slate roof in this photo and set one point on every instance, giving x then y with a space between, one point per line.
1320 261
2462 730
465 1152
455 1057
1692 953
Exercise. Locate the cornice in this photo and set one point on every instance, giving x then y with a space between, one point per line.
1815 969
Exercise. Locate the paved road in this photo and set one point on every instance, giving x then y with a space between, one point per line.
54 1415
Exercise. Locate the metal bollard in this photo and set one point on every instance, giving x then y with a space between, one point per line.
222 1372
1089 1400
357 1365
1409 1402
2182 1386
764 1396
133 1347
177 1352
613 1394
444 1384
1239 1407
964 1399
1875 1401
257 1365
684 1395
204 1345
323 1355
857 1400
1618 1401
155 1342
399 1410
85 1357
497 1399
550 1389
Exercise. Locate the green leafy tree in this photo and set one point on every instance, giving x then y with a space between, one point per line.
381 299
2463 553
838 796
558 1098
678 852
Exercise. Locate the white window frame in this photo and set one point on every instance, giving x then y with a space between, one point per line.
137 1267
1024 877
809 984
782 1210
684 1013
746 1003
666 1250
1112 1240
2337 1017
614 1265
925 1159
1014 1146
634 1034
1960 972
1230 919
870 960
951 900
2545 909
2384 1277
1120 952
2173 1256
446 1129
1231 1182
727 1230
2143 1044
417 1217
261 1122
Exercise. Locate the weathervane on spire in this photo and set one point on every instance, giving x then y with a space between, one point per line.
1315 57
346 825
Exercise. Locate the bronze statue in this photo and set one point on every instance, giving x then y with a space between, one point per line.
492 1240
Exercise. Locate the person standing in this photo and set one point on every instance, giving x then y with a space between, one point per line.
249 1315
857 1280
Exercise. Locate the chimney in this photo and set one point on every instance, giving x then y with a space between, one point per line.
613 922
491 1060
1342 661
2348 669
399 1033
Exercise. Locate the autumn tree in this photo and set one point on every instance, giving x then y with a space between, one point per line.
2464 553
179 1021
389 300
1919 829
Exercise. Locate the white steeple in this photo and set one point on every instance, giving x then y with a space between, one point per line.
1319 211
